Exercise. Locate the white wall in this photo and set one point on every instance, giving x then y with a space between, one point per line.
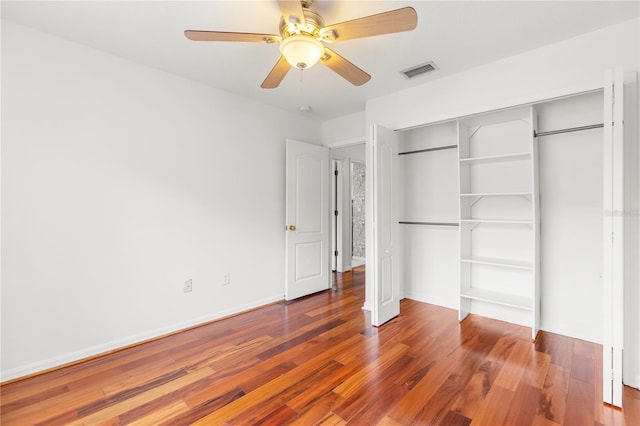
430 194
571 217
119 182
560 68
347 129
354 152
530 76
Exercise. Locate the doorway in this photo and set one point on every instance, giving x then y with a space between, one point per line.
348 206
358 213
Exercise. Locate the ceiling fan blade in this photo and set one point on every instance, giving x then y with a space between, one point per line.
344 68
292 9
276 75
394 21
196 35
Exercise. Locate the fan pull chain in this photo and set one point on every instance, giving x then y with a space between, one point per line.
301 84
303 105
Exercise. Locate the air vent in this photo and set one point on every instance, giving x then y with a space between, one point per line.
419 70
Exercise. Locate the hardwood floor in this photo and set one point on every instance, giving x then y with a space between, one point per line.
318 361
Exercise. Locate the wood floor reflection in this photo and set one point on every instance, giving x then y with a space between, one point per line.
318 361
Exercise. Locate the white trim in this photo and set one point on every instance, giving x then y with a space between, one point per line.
355 262
618 232
607 234
569 333
338 233
613 239
128 341
631 361
346 142
422 298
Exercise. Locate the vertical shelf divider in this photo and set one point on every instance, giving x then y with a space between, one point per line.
496 166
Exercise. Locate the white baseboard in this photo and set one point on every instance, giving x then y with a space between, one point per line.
569 333
423 299
634 384
93 351
564 332
357 261
630 373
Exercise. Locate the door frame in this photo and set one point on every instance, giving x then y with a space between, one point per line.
342 144
613 238
338 233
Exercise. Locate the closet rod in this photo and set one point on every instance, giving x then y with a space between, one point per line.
429 223
428 149
572 129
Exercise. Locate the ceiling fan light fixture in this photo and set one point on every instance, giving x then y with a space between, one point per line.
303 35
301 51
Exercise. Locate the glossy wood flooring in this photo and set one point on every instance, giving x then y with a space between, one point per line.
317 361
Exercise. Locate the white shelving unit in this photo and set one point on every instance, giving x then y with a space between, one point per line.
499 217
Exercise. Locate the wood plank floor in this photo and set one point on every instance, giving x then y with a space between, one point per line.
318 361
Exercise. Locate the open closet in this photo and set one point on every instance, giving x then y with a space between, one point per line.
508 214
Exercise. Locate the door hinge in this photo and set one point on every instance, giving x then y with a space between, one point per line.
335 253
335 213
613 94
335 172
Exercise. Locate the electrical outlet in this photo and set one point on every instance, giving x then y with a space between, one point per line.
188 285
227 279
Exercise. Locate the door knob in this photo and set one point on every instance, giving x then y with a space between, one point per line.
292 228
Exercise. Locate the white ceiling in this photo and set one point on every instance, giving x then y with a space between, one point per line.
456 35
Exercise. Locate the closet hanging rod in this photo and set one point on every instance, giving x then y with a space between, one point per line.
572 129
428 149
429 223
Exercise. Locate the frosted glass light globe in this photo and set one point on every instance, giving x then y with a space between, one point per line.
301 51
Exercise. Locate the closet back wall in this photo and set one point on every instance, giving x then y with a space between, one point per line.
571 216
430 194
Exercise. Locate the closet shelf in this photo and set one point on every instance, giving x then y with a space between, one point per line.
496 158
499 221
507 263
405 222
511 300
496 194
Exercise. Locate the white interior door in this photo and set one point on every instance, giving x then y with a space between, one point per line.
386 268
613 229
307 218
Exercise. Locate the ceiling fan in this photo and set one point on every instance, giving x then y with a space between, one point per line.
303 34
